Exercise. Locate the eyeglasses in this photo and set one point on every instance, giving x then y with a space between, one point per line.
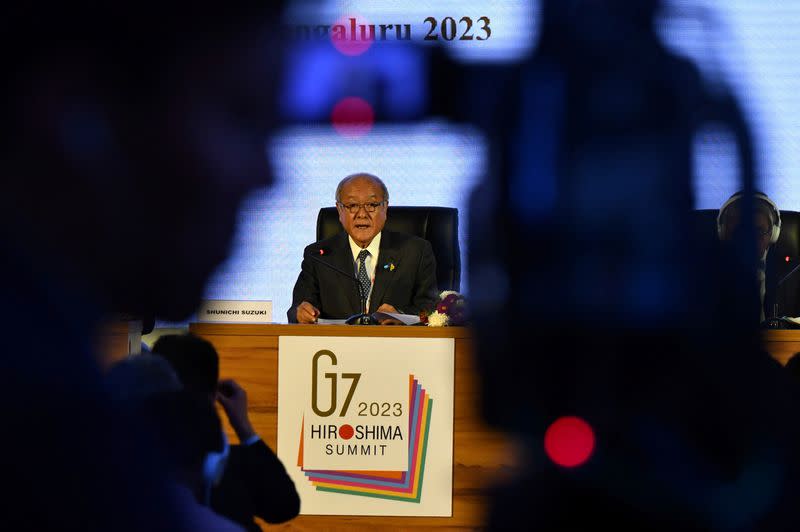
353 208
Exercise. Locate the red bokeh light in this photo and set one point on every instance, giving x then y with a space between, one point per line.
352 117
356 37
787 258
569 441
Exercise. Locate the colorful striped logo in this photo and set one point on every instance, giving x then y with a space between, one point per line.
393 485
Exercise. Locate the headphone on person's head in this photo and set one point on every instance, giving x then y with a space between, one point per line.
775 218
214 466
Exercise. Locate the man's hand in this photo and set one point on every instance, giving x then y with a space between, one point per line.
389 321
233 399
307 313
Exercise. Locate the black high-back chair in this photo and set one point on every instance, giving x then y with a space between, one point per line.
788 244
437 225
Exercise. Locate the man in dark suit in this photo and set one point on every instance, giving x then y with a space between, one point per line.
772 266
395 272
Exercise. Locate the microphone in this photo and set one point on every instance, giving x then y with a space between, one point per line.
361 318
775 322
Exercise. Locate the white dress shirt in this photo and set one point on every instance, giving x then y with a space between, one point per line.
371 262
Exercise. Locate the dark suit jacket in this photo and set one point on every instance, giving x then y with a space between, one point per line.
410 286
255 483
786 296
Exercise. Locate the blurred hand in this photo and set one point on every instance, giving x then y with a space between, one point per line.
233 399
389 321
307 313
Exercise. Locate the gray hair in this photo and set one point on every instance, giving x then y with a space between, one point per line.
375 179
760 205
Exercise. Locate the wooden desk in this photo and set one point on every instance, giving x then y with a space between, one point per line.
481 456
782 344
115 340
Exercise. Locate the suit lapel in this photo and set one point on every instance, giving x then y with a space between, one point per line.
384 271
343 259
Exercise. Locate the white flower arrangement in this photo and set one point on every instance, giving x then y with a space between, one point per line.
450 310
438 319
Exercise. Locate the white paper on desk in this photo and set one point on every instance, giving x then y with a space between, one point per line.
407 319
323 321
793 320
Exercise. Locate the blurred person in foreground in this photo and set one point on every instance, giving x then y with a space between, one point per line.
592 162
255 482
137 377
106 108
196 452
182 429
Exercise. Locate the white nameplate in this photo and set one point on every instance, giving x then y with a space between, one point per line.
226 311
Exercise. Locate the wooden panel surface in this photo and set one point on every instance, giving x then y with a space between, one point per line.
111 343
481 456
782 345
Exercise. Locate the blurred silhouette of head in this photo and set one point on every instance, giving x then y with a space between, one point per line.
136 134
594 27
140 376
767 221
194 360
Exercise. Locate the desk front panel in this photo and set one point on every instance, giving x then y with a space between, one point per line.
782 345
482 456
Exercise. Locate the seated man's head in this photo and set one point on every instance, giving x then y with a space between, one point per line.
138 377
362 200
766 219
194 359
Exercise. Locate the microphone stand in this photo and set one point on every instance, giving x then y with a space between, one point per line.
361 318
788 275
